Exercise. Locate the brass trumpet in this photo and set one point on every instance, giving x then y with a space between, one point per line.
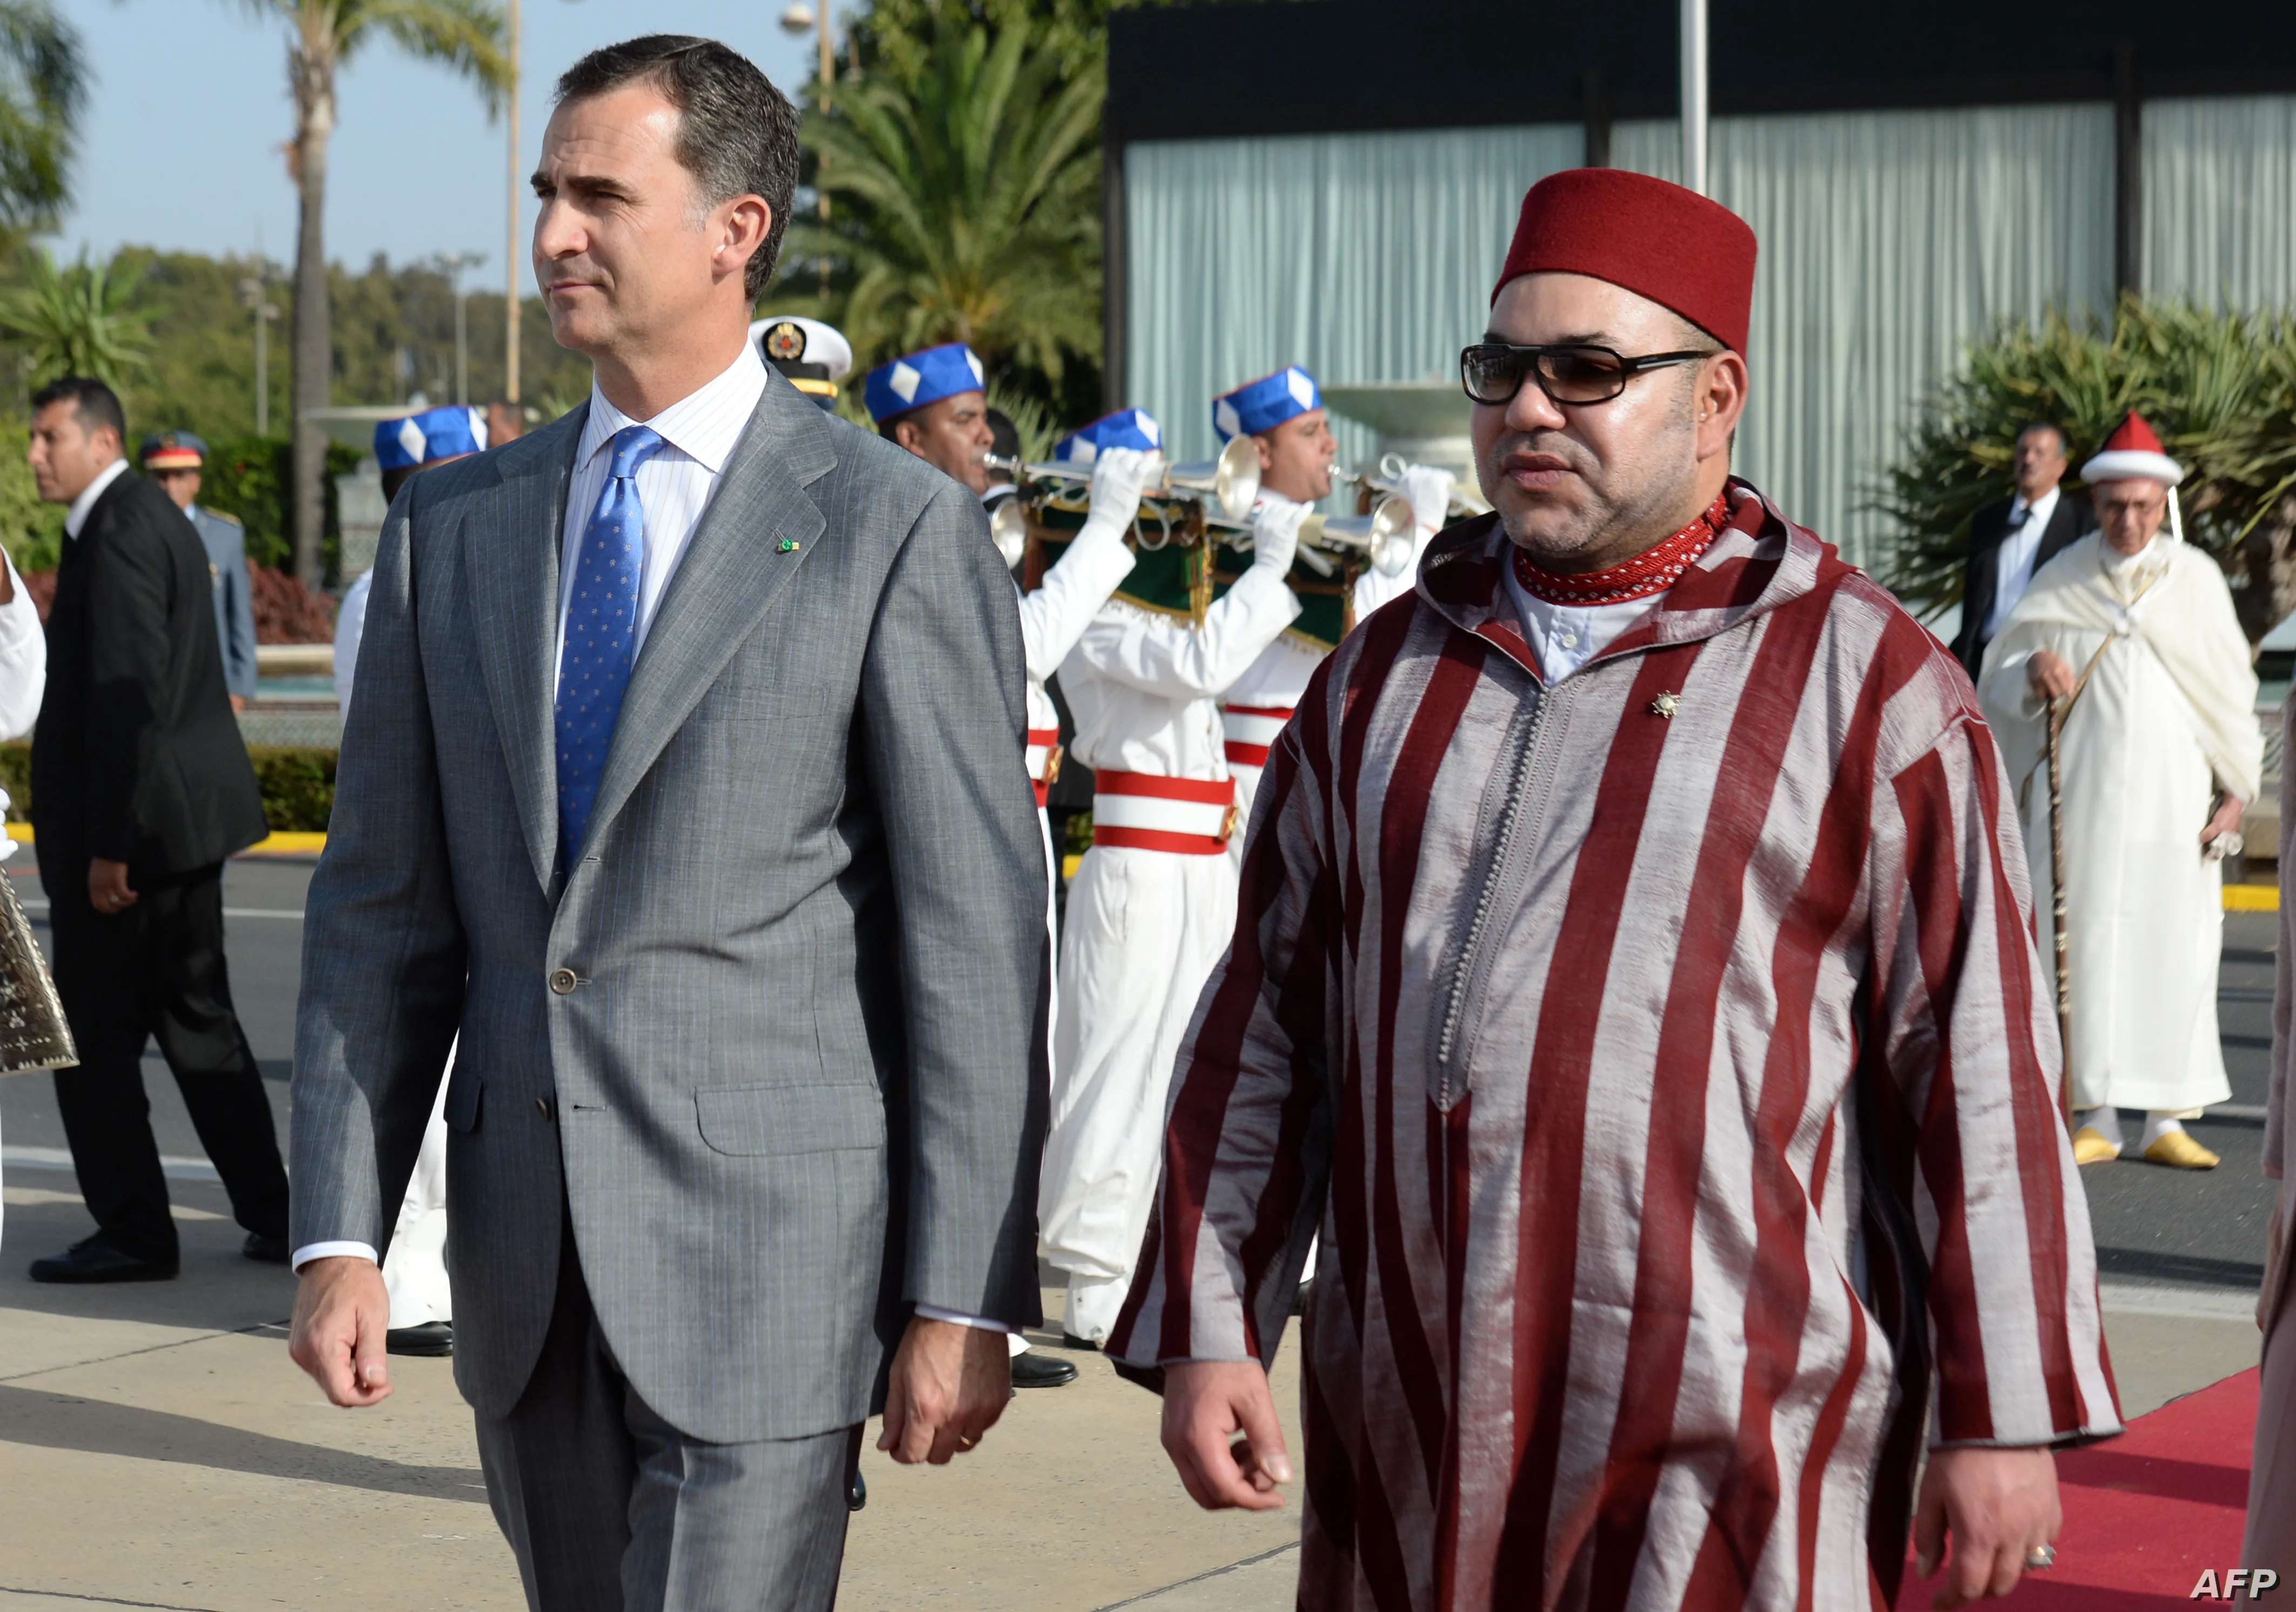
1383 539
1388 483
1231 481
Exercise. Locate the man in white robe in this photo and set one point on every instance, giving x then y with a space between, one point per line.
2159 753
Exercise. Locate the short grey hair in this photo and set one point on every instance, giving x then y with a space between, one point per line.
737 133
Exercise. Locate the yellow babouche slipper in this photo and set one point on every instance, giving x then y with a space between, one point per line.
2090 1147
2181 1152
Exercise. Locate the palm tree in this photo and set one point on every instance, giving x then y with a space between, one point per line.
43 88
77 321
967 201
465 34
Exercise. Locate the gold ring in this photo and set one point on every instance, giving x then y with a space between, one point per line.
2041 1556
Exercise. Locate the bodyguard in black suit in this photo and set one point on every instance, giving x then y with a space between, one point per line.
2005 550
141 787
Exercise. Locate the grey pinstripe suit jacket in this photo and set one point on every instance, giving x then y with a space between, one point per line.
799 1085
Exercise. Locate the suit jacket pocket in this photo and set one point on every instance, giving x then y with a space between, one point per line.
461 1098
749 1119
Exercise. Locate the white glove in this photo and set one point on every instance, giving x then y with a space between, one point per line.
1429 491
1275 535
1120 476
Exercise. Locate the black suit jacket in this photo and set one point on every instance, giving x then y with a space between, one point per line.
136 757
2072 520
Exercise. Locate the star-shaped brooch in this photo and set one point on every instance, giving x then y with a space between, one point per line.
1665 705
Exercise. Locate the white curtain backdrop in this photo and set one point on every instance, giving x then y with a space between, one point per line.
2220 200
1361 257
1887 240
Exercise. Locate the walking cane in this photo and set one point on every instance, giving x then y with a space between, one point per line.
2058 710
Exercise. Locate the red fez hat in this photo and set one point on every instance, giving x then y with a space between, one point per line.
1657 240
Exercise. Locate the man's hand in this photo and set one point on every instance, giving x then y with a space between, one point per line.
238 701
342 1315
1121 478
107 886
1206 1405
2048 676
949 1385
2225 821
1997 1505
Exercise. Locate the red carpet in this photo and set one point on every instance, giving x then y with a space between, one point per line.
2146 1513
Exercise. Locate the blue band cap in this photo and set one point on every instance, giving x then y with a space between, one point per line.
1265 404
920 378
1126 428
428 437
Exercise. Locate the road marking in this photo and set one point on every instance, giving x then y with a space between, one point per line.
60 1158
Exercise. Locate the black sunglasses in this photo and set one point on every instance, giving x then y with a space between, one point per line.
1492 372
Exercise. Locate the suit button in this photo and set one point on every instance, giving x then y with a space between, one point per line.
563 981
542 1106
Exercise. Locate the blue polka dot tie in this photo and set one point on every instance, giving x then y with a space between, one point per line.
602 631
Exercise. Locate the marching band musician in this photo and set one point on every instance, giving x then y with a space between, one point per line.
1152 906
1283 415
1052 617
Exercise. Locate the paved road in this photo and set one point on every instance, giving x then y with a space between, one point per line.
2155 1229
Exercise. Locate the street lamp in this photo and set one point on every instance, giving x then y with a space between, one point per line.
253 297
795 21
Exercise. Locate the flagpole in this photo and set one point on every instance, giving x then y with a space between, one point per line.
512 257
1694 94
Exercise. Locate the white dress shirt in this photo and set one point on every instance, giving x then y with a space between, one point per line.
699 432
2013 564
76 517
1566 636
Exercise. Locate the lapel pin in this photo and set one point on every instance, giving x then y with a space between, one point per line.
788 545
1665 705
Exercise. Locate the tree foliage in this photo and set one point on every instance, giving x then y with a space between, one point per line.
2220 389
43 91
82 320
965 206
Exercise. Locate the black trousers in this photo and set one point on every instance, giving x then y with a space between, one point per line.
157 969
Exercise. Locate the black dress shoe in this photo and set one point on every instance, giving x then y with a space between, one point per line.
429 1341
857 1493
267 1250
93 1260
1070 1340
1035 1370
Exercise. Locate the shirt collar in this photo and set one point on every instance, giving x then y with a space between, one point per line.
703 426
76 517
2043 507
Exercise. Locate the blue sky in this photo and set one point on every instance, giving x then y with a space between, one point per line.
181 147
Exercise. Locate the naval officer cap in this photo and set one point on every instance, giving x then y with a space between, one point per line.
811 356
428 437
919 378
1262 405
1126 428
172 450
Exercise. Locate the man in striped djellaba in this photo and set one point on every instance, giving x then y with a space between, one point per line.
1634 983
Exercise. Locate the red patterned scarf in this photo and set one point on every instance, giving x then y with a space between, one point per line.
1649 573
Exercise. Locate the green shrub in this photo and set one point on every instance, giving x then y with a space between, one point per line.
298 784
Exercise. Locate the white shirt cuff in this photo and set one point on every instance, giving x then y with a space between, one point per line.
934 1313
311 1250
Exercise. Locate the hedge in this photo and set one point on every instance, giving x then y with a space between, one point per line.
297 782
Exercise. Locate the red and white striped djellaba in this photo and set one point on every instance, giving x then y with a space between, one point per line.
1664 1060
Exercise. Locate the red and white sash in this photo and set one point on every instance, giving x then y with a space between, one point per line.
1251 729
1043 759
1138 810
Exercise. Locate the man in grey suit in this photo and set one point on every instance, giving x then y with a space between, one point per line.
683 777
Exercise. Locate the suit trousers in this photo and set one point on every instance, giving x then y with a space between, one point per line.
157 970
610 1508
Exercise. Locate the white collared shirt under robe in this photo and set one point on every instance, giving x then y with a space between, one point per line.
1675 1097
2166 718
